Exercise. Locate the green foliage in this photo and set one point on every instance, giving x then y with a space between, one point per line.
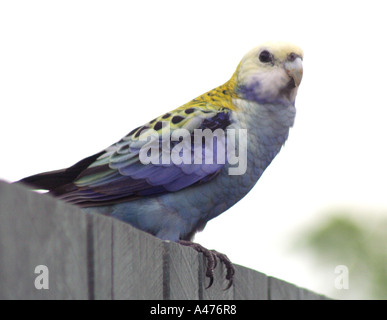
358 241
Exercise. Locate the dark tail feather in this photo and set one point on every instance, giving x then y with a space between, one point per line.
55 179
46 180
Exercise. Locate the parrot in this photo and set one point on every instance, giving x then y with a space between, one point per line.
173 200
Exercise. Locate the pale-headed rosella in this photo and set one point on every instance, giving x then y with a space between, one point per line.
175 200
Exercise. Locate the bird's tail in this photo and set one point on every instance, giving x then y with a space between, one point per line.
57 179
47 180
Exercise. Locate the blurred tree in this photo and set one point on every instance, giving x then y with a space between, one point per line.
356 241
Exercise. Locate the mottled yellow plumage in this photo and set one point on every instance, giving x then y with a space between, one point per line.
220 97
216 100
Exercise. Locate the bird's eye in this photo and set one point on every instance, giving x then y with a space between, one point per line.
265 56
292 57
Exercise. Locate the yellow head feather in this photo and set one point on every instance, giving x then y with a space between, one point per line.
272 76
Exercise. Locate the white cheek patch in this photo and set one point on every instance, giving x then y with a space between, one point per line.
266 87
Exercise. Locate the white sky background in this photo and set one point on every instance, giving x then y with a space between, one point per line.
76 76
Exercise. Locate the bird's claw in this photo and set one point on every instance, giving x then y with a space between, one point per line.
211 257
229 267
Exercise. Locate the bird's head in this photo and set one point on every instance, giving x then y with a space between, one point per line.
270 73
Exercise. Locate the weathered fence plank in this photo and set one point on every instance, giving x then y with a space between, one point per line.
39 230
102 237
281 290
137 264
90 256
306 294
250 284
178 283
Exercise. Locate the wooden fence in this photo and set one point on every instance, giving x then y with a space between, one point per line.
96 257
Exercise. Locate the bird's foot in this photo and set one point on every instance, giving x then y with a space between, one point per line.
211 257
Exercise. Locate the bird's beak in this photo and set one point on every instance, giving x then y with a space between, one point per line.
294 70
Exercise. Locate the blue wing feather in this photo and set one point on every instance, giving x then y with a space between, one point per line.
118 175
